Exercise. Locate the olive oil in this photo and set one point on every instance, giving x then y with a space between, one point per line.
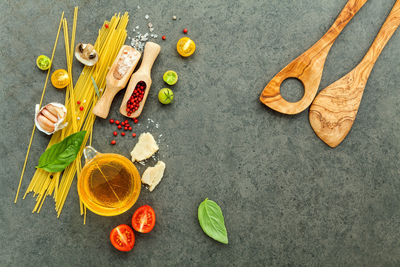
109 184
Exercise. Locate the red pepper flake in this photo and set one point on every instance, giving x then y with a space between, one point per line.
111 121
113 142
81 108
115 133
163 37
78 102
130 128
123 134
119 126
106 26
117 122
185 31
133 135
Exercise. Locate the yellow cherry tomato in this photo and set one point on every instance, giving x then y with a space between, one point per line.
43 62
60 78
185 47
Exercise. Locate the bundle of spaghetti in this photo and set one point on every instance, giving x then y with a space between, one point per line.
40 104
110 39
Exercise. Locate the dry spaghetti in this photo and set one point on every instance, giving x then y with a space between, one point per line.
109 41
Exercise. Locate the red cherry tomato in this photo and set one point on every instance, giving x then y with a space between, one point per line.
122 237
144 219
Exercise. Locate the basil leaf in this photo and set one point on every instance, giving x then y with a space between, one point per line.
60 155
212 221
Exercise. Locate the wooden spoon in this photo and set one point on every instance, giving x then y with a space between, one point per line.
334 110
117 78
308 67
151 51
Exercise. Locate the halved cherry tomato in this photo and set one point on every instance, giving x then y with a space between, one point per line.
122 237
144 219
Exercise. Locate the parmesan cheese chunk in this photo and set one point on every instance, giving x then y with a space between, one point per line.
153 175
145 148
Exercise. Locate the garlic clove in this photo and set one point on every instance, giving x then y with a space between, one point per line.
56 111
45 123
49 116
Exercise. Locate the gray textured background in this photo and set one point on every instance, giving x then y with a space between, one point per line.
288 199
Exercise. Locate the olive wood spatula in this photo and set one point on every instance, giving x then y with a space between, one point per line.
308 67
334 110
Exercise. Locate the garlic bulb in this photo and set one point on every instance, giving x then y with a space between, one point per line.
50 118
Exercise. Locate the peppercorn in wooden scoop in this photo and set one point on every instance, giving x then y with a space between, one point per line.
139 85
335 108
308 67
117 78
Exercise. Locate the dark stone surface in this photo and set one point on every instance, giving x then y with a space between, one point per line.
288 199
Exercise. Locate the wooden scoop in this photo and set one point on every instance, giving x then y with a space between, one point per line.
117 78
334 110
308 67
151 51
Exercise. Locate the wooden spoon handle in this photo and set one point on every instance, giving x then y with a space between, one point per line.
387 30
151 52
103 105
347 13
308 66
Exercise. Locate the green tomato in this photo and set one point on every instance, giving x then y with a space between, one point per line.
170 77
165 96
43 62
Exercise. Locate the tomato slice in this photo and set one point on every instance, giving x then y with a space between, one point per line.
144 219
122 237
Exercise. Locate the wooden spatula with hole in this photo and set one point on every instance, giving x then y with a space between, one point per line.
117 78
334 110
308 67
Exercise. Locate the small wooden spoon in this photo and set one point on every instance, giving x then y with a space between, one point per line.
334 110
117 78
151 51
308 67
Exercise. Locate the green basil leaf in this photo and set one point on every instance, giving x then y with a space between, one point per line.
60 155
212 221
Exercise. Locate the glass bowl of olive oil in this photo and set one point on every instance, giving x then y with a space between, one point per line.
109 184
